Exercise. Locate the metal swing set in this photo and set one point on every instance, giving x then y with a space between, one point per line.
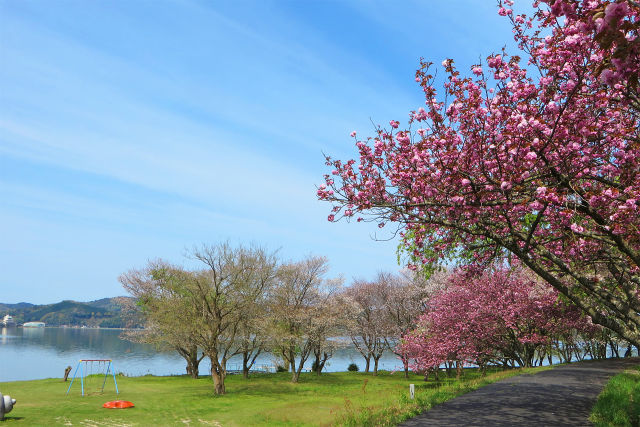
86 370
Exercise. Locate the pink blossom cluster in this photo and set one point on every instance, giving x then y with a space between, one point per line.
615 25
534 155
492 317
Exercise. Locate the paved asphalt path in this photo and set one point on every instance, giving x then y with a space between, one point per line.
562 396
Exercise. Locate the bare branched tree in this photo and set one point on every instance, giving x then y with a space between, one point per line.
224 296
298 320
158 290
407 299
370 324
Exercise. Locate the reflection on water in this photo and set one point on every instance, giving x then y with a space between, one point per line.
33 333
7 334
33 353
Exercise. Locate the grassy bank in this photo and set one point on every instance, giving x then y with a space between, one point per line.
344 398
427 395
619 402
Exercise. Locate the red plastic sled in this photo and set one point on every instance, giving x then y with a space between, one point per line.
118 404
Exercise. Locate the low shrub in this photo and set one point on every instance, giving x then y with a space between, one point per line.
353 368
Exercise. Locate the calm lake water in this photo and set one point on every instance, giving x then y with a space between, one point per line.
35 353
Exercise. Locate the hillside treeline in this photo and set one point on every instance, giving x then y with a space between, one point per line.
103 313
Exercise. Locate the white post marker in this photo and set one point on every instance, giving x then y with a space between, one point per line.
412 391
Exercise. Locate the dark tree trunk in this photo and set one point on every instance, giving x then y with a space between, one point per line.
286 354
192 370
193 361
218 375
245 364
320 361
614 349
449 367
376 359
248 359
297 370
295 373
428 372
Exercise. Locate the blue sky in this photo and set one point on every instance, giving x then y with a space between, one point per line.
133 130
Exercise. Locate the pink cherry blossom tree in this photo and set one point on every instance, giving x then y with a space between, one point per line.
535 157
503 316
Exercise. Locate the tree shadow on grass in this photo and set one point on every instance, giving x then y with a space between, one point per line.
8 419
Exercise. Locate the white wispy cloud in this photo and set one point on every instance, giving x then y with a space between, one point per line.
189 122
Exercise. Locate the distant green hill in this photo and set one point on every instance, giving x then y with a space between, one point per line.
20 305
109 304
106 313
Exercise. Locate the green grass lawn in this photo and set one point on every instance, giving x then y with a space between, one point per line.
619 402
344 398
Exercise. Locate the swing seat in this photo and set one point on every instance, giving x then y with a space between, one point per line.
118 404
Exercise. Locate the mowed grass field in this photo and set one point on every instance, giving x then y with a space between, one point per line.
344 398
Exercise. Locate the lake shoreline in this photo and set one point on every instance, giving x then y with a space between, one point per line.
40 353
